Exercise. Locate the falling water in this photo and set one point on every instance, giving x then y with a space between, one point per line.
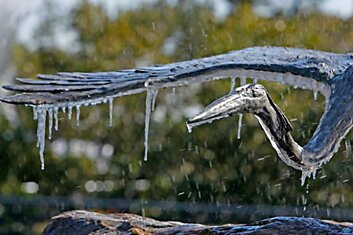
306 196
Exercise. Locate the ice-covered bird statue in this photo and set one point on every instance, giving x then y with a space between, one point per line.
328 73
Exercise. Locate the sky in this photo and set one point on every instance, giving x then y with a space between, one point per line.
27 14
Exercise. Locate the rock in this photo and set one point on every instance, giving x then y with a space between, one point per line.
85 222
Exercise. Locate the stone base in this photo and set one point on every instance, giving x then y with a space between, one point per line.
85 222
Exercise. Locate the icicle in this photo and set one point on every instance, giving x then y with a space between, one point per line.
255 80
347 143
50 127
154 97
41 134
173 91
149 97
56 118
305 174
242 81
110 112
315 94
189 128
78 115
240 120
69 112
35 113
232 85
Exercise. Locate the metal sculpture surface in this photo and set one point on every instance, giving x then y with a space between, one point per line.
328 73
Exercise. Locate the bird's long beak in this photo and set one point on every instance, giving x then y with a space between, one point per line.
247 98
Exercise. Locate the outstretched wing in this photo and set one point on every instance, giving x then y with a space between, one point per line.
292 66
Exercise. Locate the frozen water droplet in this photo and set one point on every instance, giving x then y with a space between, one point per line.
232 85
240 120
56 118
149 97
110 112
50 127
69 112
78 115
42 112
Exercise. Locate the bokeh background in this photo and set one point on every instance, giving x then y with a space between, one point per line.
207 176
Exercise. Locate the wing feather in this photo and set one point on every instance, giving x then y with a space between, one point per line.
288 65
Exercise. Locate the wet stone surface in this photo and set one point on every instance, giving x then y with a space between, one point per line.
85 222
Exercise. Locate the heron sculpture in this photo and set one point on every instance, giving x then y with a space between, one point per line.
328 73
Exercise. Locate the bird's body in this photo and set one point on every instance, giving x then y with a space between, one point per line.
329 73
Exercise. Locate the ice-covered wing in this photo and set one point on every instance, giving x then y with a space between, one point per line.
292 66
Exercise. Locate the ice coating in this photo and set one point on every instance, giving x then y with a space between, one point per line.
300 68
325 141
291 66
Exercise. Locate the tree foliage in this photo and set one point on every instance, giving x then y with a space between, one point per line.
209 165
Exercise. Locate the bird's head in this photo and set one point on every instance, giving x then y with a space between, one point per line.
246 99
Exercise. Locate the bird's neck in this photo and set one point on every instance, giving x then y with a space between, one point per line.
334 125
277 129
